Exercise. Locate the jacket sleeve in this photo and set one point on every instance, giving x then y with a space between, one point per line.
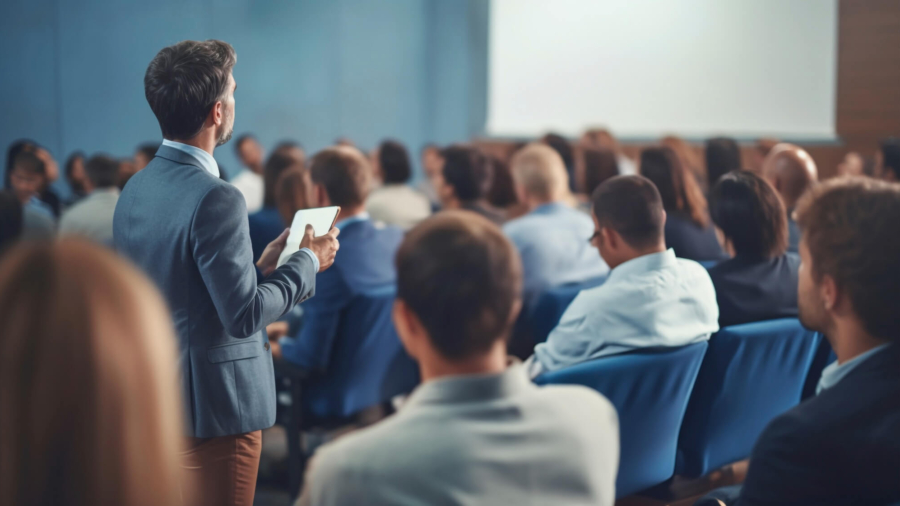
321 316
221 248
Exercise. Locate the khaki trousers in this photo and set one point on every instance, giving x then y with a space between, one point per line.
222 470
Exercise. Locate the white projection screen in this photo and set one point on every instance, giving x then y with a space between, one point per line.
645 68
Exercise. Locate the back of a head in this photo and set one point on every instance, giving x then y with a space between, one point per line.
102 171
10 219
13 151
849 227
890 156
291 149
89 403
600 164
679 190
462 278
540 171
467 171
345 174
292 192
502 193
394 161
750 214
564 148
29 162
184 81
632 206
792 170
723 155
275 165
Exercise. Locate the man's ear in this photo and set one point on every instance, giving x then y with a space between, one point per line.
611 238
829 293
320 195
217 114
409 328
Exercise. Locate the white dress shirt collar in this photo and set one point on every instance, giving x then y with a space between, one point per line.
204 159
642 264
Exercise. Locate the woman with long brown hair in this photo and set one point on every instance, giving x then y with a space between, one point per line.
688 229
89 407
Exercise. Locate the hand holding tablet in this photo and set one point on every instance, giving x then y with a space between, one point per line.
322 219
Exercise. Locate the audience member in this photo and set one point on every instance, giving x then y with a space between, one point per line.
792 172
688 230
760 281
291 149
502 194
250 180
340 177
600 164
89 406
464 180
293 192
476 431
187 229
92 218
127 170
10 220
45 193
395 202
842 446
76 176
144 153
564 148
267 223
687 155
430 158
853 164
27 176
650 299
552 239
760 151
723 155
600 138
887 160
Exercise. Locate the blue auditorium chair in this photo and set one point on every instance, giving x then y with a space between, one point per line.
550 306
650 390
708 264
366 369
751 374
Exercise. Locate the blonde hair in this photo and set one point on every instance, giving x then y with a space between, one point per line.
89 406
541 171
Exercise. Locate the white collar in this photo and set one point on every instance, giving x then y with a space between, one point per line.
205 159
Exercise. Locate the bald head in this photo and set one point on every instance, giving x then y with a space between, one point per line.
791 171
540 173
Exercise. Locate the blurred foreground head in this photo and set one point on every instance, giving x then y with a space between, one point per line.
89 406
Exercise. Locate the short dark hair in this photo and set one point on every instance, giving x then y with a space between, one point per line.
394 161
890 154
102 171
600 164
344 172
148 149
184 81
632 206
277 163
240 142
11 153
466 170
502 192
723 155
676 184
562 146
849 226
751 214
463 279
29 162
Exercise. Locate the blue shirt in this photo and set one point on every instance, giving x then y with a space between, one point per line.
655 300
553 242
836 371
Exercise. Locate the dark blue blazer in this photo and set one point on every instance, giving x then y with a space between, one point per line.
839 447
793 234
265 226
692 241
364 262
751 290
187 230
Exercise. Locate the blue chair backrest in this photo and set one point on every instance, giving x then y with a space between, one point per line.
550 306
368 365
650 390
751 374
708 264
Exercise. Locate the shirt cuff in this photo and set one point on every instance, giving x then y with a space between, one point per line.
312 255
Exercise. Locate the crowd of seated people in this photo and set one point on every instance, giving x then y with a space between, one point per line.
688 244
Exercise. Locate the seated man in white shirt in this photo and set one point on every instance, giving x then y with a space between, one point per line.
250 181
651 298
92 216
396 203
476 431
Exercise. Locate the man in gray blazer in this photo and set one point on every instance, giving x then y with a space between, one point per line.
188 230
477 431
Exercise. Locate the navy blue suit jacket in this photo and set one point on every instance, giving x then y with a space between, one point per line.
692 241
839 447
187 230
265 226
751 290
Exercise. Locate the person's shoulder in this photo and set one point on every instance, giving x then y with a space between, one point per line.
355 452
577 397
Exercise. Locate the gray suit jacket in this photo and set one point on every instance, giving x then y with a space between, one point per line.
477 440
188 231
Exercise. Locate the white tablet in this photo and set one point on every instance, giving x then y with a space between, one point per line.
321 219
